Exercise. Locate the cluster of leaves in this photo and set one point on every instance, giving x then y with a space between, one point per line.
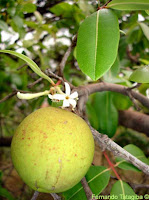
103 51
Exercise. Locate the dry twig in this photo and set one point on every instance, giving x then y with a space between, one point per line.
102 86
66 55
35 195
55 196
106 143
87 189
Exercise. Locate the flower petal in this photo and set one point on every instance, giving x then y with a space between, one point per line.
50 96
73 102
74 95
147 93
31 96
57 96
66 103
67 89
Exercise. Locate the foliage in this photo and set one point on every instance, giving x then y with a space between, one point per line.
112 46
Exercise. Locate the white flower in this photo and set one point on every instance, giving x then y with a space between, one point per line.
147 93
68 99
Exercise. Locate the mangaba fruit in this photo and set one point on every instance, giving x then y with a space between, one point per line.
52 150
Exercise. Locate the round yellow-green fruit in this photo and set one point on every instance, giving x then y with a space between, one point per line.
52 150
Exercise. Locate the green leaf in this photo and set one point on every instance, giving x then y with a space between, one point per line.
135 151
31 63
107 116
96 51
18 21
92 116
62 9
122 191
144 61
111 75
145 30
121 102
4 26
147 11
5 193
28 7
129 4
97 178
141 75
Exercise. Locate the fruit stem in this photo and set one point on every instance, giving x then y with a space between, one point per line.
111 165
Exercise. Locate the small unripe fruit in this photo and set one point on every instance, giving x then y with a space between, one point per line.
52 150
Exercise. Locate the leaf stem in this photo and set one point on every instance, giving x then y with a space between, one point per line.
111 165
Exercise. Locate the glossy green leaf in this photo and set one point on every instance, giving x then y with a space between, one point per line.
96 51
104 112
5 193
141 75
122 191
31 63
129 4
97 178
145 30
137 152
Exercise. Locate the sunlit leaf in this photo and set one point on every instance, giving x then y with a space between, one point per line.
29 7
96 51
140 75
145 30
120 189
129 4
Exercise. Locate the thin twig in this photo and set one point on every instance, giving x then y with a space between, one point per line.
51 74
8 96
35 195
11 95
106 4
136 186
106 143
55 196
87 189
34 83
66 55
22 66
